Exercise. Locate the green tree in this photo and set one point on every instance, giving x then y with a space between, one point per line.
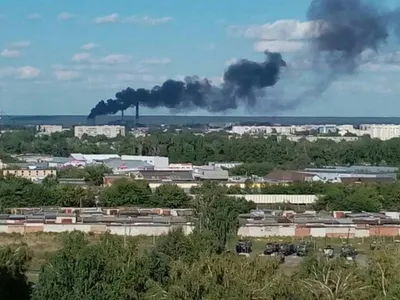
110 269
218 213
126 192
13 265
170 196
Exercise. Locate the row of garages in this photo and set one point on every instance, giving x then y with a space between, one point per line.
330 231
250 230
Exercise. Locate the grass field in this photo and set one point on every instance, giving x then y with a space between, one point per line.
44 245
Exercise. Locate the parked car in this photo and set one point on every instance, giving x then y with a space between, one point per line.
303 249
271 248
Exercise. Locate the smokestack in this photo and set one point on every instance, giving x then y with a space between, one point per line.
137 112
122 114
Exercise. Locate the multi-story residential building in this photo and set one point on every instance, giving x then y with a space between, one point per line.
381 131
110 131
31 174
265 130
326 129
49 129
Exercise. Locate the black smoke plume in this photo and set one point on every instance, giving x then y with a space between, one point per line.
341 32
242 82
345 29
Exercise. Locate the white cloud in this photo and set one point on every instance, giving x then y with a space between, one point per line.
147 20
27 72
10 53
115 59
156 61
88 46
81 57
284 30
20 44
34 17
279 46
113 18
65 75
231 61
64 16
280 36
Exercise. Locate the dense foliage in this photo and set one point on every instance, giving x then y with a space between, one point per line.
187 147
19 192
13 265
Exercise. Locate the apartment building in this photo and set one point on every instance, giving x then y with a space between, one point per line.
31 174
265 130
381 131
110 131
49 129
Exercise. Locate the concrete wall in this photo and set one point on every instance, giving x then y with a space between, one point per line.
249 230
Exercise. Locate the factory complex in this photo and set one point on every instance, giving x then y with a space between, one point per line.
157 170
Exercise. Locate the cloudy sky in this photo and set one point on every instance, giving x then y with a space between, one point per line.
62 57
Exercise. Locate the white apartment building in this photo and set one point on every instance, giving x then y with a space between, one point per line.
381 131
264 130
110 131
49 129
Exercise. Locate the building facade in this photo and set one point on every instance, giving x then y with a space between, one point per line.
110 131
159 162
31 174
49 129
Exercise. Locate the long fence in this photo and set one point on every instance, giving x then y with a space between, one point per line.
250 230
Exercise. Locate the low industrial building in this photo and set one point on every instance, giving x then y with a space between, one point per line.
352 174
120 163
210 173
120 166
159 162
163 176
91 158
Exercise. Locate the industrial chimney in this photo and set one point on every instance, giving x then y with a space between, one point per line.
137 113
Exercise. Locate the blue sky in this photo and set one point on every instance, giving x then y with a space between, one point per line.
62 57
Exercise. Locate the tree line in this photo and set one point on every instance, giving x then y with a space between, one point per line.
20 192
259 154
196 266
